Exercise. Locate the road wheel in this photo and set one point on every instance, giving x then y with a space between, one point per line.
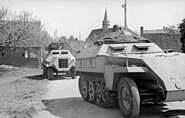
104 92
50 74
98 92
44 72
83 86
91 91
128 98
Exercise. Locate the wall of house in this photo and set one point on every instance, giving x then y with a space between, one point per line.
21 57
165 41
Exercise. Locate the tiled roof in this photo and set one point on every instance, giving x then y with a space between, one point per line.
165 30
98 32
159 31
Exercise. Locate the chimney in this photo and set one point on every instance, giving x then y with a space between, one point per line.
141 30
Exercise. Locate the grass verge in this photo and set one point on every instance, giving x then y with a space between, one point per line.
20 97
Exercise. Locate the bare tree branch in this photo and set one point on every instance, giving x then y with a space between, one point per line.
21 29
17 29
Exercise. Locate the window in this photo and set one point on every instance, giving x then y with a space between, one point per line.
2 54
142 47
64 52
55 52
33 55
117 48
25 54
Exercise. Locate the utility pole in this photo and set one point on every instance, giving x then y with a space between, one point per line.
125 15
79 36
55 34
79 40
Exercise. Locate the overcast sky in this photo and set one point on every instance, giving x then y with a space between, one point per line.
74 16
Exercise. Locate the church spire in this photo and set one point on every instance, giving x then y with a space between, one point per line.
105 22
105 16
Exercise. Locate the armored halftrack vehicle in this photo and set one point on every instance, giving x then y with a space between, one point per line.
59 61
129 70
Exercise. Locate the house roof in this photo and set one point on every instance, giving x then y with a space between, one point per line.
158 31
165 30
98 32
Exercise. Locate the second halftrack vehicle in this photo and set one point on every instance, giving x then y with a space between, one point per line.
129 70
59 61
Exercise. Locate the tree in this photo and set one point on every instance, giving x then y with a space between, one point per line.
76 39
182 31
45 39
3 14
71 38
18 29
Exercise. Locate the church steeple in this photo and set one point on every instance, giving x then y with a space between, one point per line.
105 22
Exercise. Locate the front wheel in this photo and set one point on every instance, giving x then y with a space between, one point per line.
72 73
128 98
50 74
44 71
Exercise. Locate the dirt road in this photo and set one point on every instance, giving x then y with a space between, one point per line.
63 100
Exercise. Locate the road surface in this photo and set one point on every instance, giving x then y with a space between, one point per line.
63 100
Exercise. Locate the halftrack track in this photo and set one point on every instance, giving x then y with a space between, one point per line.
94 90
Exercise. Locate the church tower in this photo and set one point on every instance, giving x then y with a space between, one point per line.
105 23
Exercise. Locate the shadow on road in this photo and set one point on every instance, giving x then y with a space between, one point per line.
78 108
159 111
36 77
41 77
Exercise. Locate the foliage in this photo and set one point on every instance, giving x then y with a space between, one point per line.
16 28
71 38
182 31
3 14
21 29
45 39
